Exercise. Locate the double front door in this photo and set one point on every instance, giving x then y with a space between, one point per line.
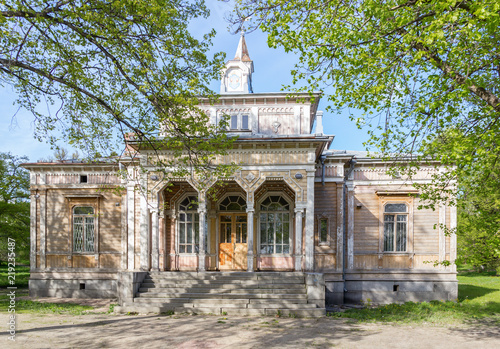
233 241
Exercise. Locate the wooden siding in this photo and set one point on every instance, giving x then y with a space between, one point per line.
325 206
425 237
366 221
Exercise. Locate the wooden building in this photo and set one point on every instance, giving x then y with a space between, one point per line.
294 205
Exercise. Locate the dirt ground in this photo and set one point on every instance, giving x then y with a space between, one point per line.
207 331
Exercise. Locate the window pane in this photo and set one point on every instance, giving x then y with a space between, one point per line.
286 248
182 233
286 233
234 122
78 234
189 233
89 234
83 210
279 249
244 122
401 235
395 208
189 248
389 235
323 223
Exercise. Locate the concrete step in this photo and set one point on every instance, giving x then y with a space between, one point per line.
228 279
208 284
220 290
221 295
232 293
304 312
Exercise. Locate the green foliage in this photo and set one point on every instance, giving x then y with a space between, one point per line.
414 69
22 274
108 70
478 298
14 206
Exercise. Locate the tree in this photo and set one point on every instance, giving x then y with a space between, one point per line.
425 74
416 67
14 205
108 68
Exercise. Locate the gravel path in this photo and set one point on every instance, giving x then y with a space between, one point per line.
205 331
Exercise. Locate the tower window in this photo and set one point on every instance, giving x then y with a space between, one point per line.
244 122
234 122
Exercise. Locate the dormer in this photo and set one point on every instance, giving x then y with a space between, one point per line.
237 75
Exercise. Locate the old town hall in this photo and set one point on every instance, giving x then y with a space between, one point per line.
297 227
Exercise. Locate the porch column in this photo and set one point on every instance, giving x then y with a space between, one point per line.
144 226
43 224
309 240
33 200
250 212
155 239
299 212
350 227
202 211
131 226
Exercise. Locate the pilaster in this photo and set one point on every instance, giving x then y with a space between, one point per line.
299 213
131 226
202 211
250 234
309 231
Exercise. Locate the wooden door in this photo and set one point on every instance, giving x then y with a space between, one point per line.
233 241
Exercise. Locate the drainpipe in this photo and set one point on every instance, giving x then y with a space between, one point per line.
352 163
322 159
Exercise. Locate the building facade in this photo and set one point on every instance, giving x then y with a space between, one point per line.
293 205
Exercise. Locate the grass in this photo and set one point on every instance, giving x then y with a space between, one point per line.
478 299
22 274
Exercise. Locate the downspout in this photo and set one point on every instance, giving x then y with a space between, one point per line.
322 159
352 163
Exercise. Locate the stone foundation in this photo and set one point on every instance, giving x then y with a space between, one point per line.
73 285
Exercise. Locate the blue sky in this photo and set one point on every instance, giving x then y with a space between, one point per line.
272 71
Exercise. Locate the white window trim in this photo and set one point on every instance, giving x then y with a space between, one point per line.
408 201
96 225
291 232
177 222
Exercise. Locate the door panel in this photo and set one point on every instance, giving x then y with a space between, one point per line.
226 251
233 241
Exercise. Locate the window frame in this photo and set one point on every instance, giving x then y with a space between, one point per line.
195 229
290 226
323 218
84 232
238 116
395 223
397 199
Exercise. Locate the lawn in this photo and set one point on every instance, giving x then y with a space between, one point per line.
22 274
478 299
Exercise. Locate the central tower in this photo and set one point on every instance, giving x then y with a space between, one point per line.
237 75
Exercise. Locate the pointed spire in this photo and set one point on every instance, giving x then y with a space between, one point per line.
242 50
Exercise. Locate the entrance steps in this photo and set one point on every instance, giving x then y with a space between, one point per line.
224 293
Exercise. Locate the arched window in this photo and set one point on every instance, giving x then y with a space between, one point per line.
83 229
274 225
395 227
233 203
188 225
